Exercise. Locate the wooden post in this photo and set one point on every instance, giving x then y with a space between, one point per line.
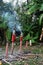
26 44
7 50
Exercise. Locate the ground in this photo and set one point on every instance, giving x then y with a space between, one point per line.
36 59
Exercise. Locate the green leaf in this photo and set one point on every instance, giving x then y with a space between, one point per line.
32 9
33 41
8 34
40 19
41 8
27 37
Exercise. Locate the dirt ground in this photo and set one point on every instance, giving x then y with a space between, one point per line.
26 59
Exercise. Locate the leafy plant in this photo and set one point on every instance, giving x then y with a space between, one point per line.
33 39
8 34
32 29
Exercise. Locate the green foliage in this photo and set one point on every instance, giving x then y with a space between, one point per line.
32 9
32 29
38 1
41 8
8 34
3 25
41 20
32 38
34 6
